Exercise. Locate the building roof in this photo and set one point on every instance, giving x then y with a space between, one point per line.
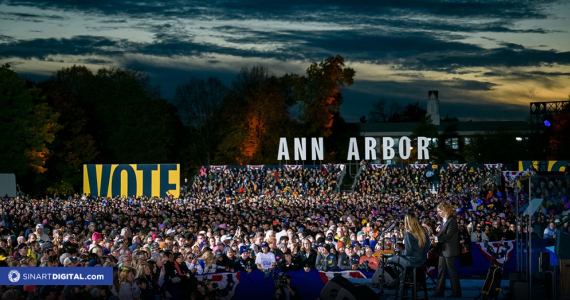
462 128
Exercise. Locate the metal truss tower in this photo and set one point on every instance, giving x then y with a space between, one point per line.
539 113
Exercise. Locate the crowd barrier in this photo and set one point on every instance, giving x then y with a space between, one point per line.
243 285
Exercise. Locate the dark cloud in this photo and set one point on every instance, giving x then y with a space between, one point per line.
454 101
96 61
36 18
471 85
339 11
412 35
520 75
506 56
78 45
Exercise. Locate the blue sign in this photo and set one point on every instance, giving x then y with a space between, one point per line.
56 276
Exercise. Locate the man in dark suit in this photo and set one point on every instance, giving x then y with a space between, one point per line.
449 249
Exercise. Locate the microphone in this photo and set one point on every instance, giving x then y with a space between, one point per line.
391 227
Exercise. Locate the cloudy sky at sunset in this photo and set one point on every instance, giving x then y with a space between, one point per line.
488 59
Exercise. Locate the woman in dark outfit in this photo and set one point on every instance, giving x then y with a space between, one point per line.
416 246
465 258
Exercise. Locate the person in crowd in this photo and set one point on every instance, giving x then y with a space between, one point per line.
491 233
128 289
286 291
245 263
307 256
237 208
287 263
479 235
368 261
550 231
344 262
326 261
206 262
465 258
265 260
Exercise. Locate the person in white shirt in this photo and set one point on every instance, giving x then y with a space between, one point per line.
282 232
265 260
41 236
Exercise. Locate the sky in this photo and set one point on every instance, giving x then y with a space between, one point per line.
488 59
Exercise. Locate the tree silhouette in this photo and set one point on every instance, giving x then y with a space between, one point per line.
27 126
320 93
199 103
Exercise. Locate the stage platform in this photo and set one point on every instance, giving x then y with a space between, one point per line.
471 288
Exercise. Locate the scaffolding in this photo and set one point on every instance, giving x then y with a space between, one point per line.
540 112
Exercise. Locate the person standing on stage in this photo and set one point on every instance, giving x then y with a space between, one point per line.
447 240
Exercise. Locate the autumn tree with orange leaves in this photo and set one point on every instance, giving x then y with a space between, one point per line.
261 108
27 126
255 116
320 93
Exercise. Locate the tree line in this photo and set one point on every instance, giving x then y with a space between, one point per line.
49 129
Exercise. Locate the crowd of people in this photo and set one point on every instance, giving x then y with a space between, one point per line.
257 221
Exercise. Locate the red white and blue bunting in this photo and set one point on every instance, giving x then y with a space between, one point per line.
493 166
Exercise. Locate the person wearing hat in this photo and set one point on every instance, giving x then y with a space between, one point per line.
329 240
343 258
109 243
353 257
40 235
265 260
361 237
564 227
70 262
478 235
245 263
21 251
326 261
223 262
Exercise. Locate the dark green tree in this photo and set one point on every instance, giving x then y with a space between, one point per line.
130 120
426 128
73 145
111 116
412 112
448 150
499 146
27 126
448 119
383 112
199 104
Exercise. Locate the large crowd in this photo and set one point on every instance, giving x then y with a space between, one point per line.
257 221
